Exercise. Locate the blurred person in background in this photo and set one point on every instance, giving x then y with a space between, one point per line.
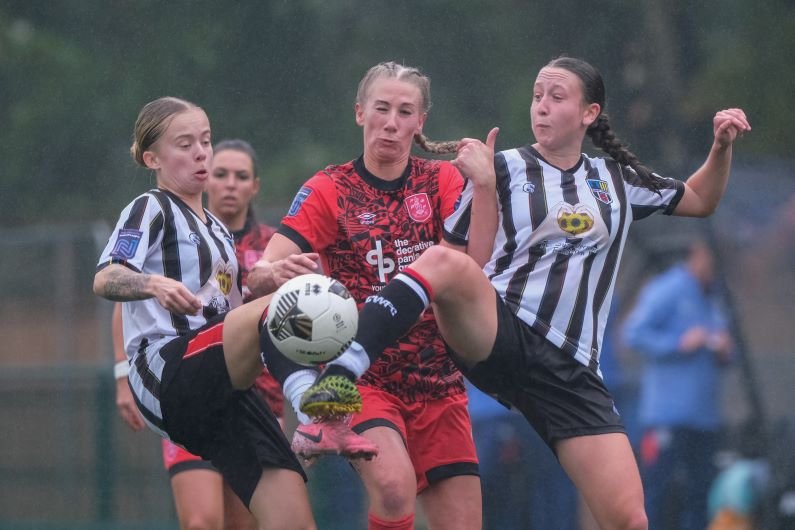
192 345
530 330
365 219
202 498
679 328
524 488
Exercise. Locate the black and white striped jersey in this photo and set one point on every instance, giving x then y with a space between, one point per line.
559 241
157 233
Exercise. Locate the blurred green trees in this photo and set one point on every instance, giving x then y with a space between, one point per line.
283 74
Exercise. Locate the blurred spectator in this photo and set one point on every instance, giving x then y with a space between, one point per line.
622 385
524 487
678 326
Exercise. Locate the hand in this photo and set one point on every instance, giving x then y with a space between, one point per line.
174 296
125 403
693 339
722 344
728 124
292 266
475 159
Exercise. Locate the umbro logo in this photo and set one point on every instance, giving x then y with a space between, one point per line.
312 437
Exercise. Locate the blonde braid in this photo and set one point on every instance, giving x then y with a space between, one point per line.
439 148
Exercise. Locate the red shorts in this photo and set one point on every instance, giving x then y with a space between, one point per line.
176 459
437 433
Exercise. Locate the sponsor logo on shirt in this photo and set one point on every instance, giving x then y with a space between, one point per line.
376 258
574 222
366 218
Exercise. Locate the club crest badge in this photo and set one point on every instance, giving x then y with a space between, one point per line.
600 190
419 207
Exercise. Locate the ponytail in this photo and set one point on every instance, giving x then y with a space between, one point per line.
602 136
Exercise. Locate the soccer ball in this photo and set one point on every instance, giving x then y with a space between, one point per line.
312 319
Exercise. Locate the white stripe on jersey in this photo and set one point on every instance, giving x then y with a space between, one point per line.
559 242
157 233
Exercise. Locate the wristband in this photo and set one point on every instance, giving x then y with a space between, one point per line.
121 369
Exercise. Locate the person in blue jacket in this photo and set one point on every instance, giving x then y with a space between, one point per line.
679 328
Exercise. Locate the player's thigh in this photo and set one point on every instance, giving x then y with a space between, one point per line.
468 323
281 500
605 472
198 497
241 342
389 478
464 301
236 515
453 503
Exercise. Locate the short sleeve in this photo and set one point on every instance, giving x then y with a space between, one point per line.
138 228
311 220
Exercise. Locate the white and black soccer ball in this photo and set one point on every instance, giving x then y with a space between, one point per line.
312 319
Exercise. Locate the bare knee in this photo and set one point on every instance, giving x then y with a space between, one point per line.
392 497
202 521
443 265
638 520
634 519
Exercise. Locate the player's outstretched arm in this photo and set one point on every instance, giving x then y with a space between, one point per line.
705 187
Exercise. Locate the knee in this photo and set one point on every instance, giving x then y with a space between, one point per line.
394 497
635 520
444 261
202 521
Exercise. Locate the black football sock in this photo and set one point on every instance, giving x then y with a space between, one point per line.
388 315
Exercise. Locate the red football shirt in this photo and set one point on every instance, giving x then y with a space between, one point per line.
366 230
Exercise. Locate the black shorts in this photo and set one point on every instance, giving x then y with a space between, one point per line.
559 396
233 429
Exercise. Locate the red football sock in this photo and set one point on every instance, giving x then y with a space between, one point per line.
374 523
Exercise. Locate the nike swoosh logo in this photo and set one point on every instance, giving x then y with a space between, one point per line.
312 437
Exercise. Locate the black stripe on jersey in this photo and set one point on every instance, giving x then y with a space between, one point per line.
569 188
212 220
148 378
554 286
516 287
169 247
503 183
458 235
642 211
611 261
146 413
202 249
136 213
574 328
155 226
535 177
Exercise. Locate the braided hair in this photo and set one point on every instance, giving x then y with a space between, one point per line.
599 131
439 148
